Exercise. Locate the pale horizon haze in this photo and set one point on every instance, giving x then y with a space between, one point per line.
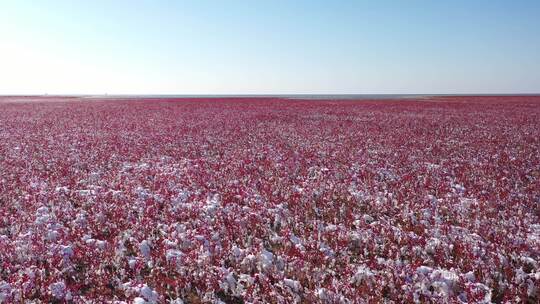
269 47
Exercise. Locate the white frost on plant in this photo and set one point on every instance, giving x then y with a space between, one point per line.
180 199
266 259
132 262
443 282
432 245
237 252
101 244
295 240
81 220
86 192
42 215
144 247
297 243
480 288
293 285
67 251
52 235
324 248
363 274
212 204
229 282
322 294
469 276
424 270
58 290
139 300
173 255
368 218
331 228
61 189
149 294
5 292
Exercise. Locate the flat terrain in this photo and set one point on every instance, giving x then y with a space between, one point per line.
268 200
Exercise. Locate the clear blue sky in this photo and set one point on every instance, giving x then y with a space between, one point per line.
280 47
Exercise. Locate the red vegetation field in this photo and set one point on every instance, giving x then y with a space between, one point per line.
270 200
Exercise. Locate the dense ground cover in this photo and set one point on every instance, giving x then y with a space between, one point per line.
270 201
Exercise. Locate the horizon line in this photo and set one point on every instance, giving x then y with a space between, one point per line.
166 95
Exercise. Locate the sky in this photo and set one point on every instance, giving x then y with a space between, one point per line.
269 47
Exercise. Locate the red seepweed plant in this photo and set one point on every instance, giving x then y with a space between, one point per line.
270 200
